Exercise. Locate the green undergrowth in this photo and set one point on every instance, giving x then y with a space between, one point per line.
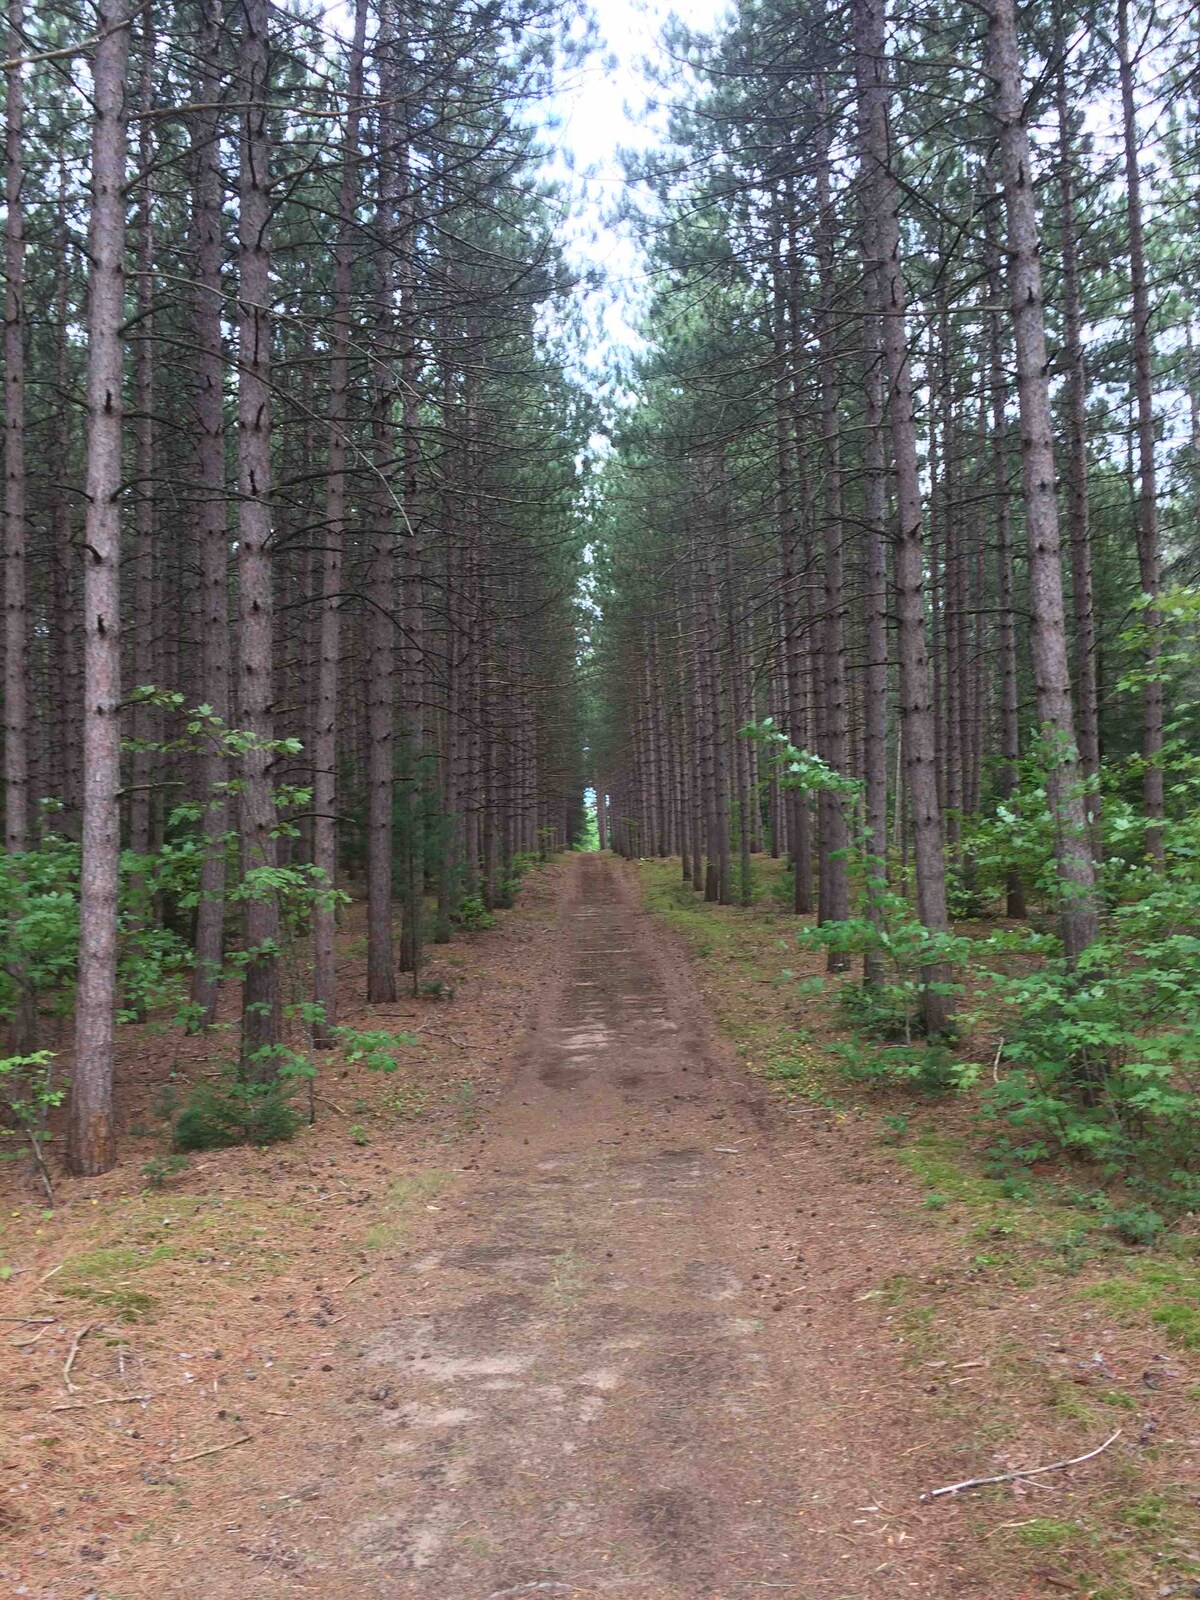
100 1278
1016 1223
402 1200
748 953
1166 1292
1039 1231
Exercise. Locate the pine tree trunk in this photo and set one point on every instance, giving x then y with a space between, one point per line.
17 831
1079 915
737 720
414 678
325 788
381 577
16 602
212 534
145 721
799 842
885 284
261 1014
91 1138
835 835
1078 498
67 720
876 674
1010 728
1149 555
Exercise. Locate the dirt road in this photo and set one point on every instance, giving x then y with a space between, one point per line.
628 1369
623 1332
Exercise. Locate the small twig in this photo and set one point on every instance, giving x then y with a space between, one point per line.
24 1344
213 1449
996 1060
444 1033
1021 1472
332 1104
110 1400
28 1319
529 1588
40 1163
355 1279
74 1351
52 1271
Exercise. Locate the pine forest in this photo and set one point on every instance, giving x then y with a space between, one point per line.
581 582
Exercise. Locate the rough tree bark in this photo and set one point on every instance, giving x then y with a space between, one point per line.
1078 499
835 833
16 622
1010 727
261 1014
876 672
329 637
799 839
1149 555
212 534
16 603
381 578
1052 678
885 285
145 722
91 1142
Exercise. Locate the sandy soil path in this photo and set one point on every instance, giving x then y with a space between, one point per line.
626 1359
621 1332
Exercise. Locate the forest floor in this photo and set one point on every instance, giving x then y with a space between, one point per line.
579 1304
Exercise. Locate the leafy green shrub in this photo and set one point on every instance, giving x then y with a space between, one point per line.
436 989
216 1116
39 923
472 914
375 1048
783 889
905 947
27 1095
880 1011
964 899
927 1068
1104 1056
510 880
1137 1224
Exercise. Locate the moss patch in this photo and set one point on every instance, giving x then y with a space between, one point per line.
1167 1293
400 1198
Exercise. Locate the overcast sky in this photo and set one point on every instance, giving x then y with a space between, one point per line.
603 110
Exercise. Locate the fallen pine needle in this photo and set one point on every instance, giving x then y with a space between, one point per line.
1021 1472
213 1449
111 1400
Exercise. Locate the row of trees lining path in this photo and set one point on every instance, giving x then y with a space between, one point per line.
922 388
290 469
